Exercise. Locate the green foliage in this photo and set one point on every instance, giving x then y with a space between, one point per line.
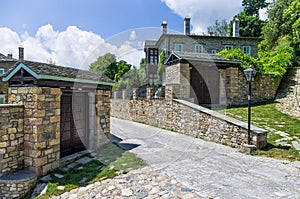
108 65
161 68
103 62
134 78
274 62
219 28
250 26
252 7
283 25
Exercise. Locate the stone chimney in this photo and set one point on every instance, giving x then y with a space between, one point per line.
236 28
164 27
21 53
187 26
9 56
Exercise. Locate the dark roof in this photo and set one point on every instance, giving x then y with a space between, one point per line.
3 56
150 43
205 57
54 72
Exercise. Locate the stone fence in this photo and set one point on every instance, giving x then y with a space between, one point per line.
11 138
190 119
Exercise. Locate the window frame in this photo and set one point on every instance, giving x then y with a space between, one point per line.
2 99
213 51
177 45
196 48
247 51
228 47
2 71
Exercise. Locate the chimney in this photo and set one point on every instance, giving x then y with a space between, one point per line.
236 28
187 26
9 56
21 53
164 27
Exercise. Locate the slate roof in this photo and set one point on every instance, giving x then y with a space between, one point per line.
189 56
150 43
3 56
45 71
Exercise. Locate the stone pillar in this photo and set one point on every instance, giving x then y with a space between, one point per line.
150 92
41 126
135 93
178 76
102 126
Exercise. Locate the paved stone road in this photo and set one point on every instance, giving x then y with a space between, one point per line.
212 170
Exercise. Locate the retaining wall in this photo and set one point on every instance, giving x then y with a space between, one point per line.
190 119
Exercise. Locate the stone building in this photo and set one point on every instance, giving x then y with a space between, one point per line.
213 80
199 44
51 112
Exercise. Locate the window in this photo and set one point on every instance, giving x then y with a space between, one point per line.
153 56
178 47
2 71
2 99
213 52
247 50
198 48
228 47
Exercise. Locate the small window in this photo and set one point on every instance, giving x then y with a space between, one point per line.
213 52
228 47
2 99
198 48
2 71
178 47
247 50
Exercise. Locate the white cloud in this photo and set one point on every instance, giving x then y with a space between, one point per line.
132 35
204 12
71 47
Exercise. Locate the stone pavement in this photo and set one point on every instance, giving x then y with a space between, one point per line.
141 183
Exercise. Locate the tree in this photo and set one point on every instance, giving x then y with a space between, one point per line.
219 28
252 7
161 68
108 65
250 26
103 62
283 26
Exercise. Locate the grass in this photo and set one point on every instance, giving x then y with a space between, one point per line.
115 160
268 117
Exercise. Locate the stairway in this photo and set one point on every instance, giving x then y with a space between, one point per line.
288 94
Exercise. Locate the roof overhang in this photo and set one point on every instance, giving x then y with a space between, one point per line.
50 77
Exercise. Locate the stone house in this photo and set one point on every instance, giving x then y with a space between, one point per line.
199 74
50 112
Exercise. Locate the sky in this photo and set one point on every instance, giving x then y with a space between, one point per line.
74 33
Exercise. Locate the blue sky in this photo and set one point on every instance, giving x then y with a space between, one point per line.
76 32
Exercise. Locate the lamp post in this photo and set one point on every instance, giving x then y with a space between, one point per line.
250 76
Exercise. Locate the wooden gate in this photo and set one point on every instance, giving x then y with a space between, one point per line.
73 123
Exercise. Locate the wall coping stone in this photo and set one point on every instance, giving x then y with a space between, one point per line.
254 129
10 105
19 176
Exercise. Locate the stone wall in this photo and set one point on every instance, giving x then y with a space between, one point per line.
190 119
209 43
17 184
11 139
264 88
41 126
288 94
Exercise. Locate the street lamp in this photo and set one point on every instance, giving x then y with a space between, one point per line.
250 76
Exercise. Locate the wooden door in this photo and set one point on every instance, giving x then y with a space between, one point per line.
74 123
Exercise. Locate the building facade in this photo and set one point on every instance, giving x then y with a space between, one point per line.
187 42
